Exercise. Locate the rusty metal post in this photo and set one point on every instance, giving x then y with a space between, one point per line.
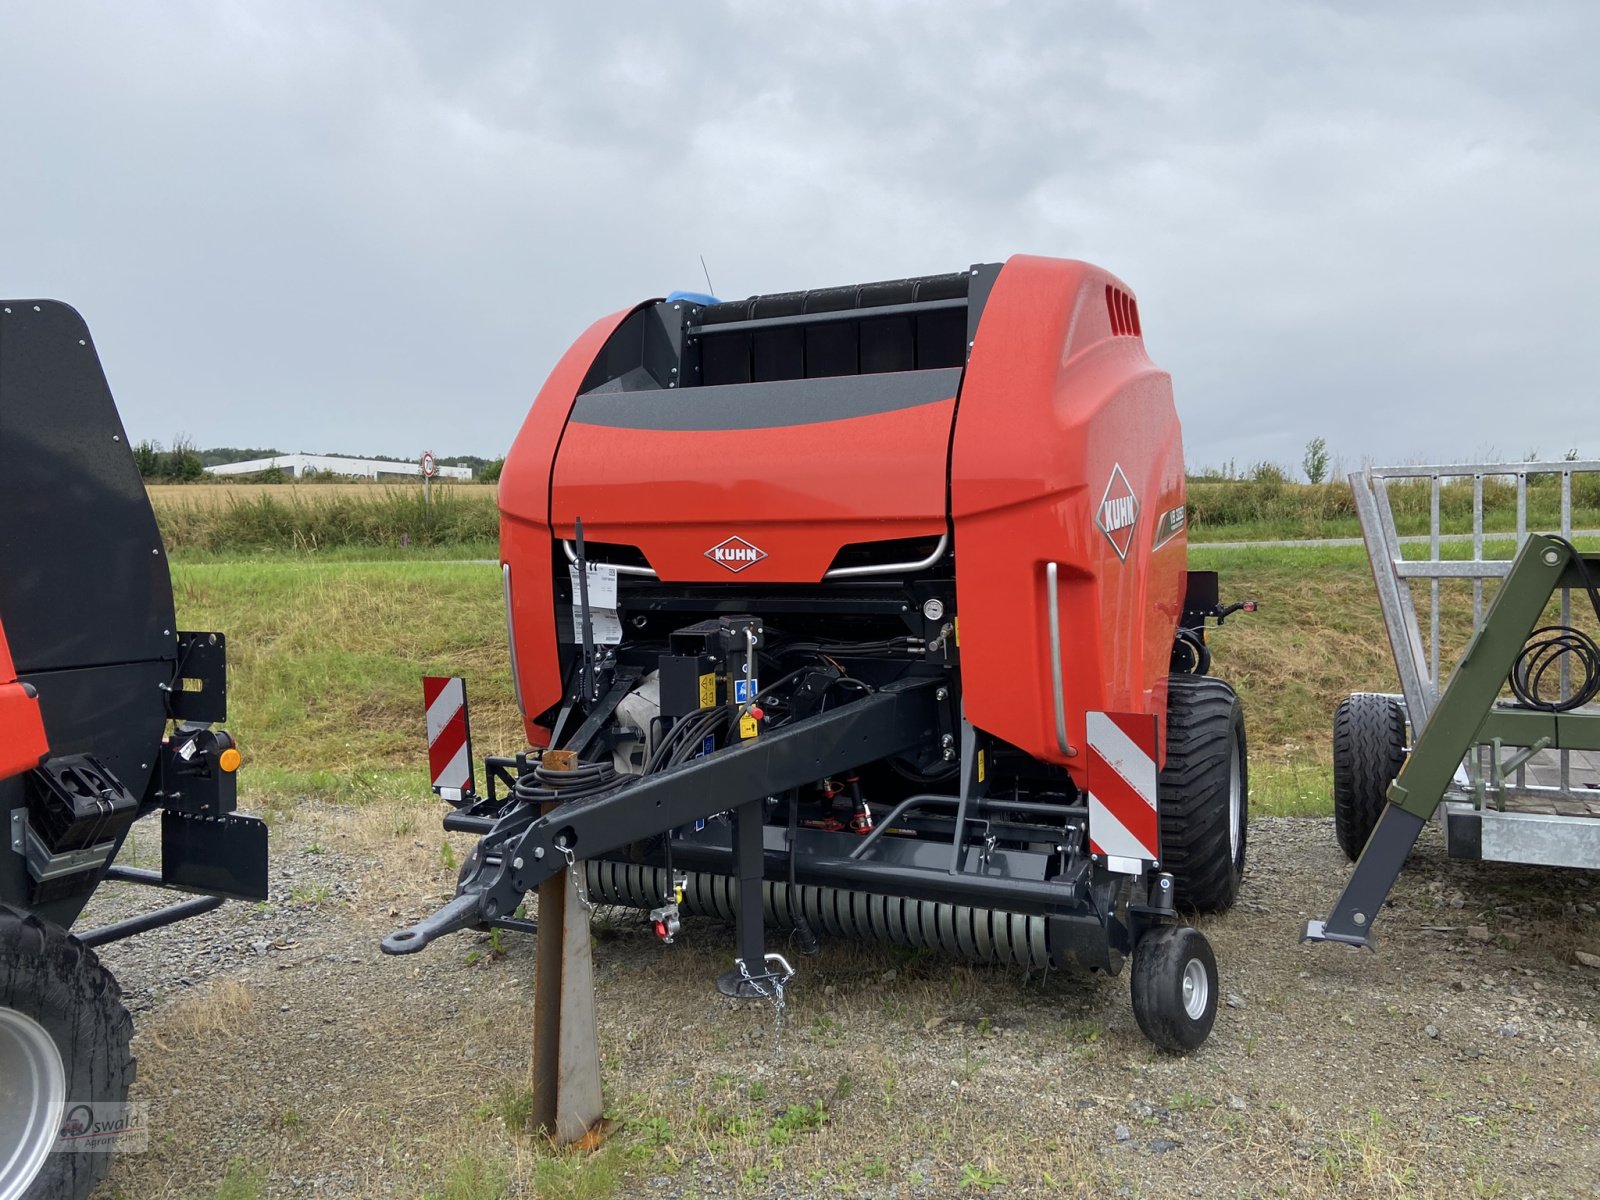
566 1055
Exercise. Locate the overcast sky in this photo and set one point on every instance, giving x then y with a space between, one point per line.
374 227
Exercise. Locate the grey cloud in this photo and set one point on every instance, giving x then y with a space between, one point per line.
377 226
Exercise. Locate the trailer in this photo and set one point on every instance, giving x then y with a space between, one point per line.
865 612
109 714
1504 747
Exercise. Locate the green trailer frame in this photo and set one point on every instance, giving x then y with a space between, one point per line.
1470 716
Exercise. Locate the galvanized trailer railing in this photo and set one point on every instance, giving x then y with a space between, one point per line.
1539 804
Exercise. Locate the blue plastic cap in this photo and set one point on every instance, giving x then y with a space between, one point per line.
692 298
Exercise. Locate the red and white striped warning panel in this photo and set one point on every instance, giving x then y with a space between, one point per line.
1123 824
449 739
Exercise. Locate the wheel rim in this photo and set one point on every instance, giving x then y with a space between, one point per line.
1196 989
1235 805
33 1091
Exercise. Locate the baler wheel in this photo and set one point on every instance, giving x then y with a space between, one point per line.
63 1028
1174 984
1369 748
1205 793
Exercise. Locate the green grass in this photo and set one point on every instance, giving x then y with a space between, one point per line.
306 521
1268 507
464 521
326 656
241 1182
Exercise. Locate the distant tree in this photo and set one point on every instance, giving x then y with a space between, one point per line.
490 471
1270 474
147 457
1315 463
183 463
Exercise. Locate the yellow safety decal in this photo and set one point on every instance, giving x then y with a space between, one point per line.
957 630
981 766
747 727
708 690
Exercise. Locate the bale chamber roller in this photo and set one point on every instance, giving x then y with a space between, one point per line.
865 611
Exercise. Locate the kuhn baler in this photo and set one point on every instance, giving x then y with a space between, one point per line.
108 714
865 610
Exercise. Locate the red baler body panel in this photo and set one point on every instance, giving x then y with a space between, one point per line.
1053 408
524 498
1054 404
796 492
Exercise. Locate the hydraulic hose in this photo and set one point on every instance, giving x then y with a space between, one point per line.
1554 646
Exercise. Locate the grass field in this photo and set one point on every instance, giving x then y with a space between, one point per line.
891 1066
327 653
391 517
217 492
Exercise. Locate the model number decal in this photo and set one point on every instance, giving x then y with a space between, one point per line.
1171 524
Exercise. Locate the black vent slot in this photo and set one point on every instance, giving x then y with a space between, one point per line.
884 553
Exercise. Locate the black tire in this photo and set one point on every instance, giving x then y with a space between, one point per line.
55 980
1176 1017
1205 793
1369 748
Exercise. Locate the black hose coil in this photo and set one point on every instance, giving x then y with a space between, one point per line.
1551 646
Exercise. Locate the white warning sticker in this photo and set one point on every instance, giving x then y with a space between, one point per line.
603 619
602 584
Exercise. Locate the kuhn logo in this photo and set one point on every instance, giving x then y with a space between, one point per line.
736 554
1119 512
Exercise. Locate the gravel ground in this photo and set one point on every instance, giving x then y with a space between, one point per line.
1463 1059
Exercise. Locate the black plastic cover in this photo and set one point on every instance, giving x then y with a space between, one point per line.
85 594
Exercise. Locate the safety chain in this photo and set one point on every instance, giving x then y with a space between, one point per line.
579 889
775 979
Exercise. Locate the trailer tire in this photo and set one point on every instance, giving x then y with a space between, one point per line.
1369 748
53 986
1174 986
1205 793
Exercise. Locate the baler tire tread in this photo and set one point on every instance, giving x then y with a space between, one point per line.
1369 748
1204 722
54 978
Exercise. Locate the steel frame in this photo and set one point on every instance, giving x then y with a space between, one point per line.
1457 723
1477 811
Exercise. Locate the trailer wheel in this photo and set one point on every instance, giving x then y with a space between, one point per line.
1369 748
64 1037
1174 984
1205 793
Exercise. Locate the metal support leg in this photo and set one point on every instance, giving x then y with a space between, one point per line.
566 1056
750 926
1369 885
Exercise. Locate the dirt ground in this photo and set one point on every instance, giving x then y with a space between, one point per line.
282 1056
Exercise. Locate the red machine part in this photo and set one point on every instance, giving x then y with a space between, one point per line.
1061 420
1065 449
23 744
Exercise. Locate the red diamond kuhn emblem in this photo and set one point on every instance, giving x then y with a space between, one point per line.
1118 513
736 554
